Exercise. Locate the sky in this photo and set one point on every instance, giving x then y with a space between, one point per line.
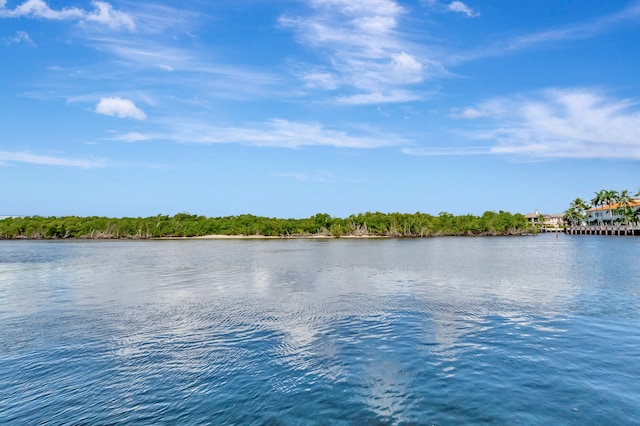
288 108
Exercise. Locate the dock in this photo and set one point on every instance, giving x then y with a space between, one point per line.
603 230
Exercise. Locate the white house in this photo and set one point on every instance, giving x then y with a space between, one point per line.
601 213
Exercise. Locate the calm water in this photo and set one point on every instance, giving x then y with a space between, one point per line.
521 330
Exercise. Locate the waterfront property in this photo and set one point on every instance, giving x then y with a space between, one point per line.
547 222
611 213
609 219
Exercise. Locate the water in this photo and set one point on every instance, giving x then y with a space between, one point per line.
519 330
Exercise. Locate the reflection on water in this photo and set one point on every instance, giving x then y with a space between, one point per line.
447 330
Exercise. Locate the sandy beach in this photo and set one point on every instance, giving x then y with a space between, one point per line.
273 237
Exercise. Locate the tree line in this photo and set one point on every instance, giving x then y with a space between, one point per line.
188 225
618 204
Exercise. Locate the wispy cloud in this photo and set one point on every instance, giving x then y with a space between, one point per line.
103 13
454 6
118 107
273 133
490 108
44 160
392 96
363 47
146 53
40 9
468 113
156 18
557 123
575 31
460 7
163 45
146 60
20 37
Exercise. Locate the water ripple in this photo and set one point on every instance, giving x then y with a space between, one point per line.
442 331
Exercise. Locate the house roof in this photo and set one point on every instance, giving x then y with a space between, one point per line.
545 215
633 203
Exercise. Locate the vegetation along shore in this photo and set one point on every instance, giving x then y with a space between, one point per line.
608 207
320 225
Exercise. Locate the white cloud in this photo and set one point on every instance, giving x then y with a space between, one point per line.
406 68
21 37
25 157
106 15
103 13
273 133
322 80
118 107
562 123
361 7
460 7
363 44
145 53
131 137
375 24
395 96
472 112
40 9
489 108
454 6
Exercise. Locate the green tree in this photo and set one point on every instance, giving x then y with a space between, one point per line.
624 199
610 198
580 205
624 202
598 200
572 215
634 216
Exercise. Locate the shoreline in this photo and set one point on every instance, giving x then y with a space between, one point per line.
274 237
221 237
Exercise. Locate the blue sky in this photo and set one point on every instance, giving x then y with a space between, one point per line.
289 108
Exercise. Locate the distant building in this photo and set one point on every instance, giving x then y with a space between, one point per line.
601 213
545 220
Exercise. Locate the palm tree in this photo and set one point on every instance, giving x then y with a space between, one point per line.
626 215
624 202
580 206
572 215
624 198
596 201
635 216
610 198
